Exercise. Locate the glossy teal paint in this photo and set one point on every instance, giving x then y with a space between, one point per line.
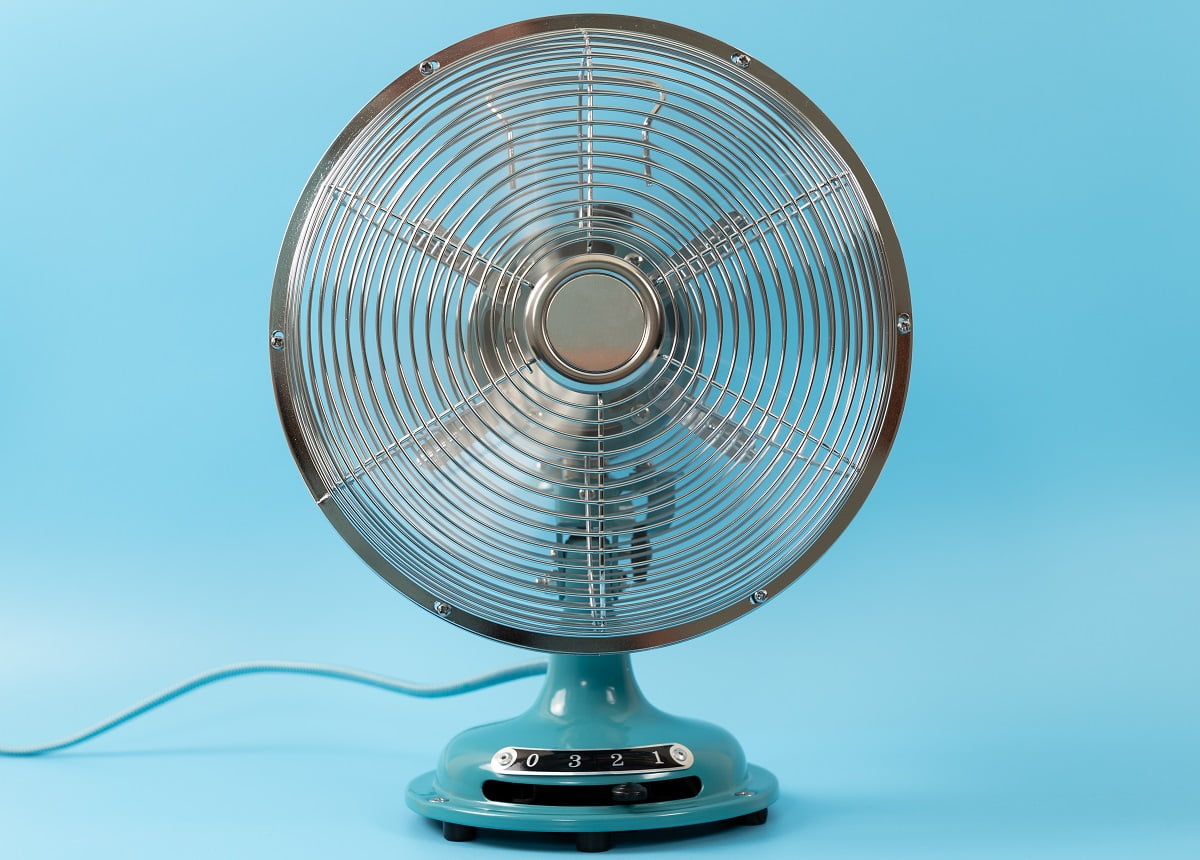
591 702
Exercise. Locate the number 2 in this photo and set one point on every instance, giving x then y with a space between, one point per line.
618 760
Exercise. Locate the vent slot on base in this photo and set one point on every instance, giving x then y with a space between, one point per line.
606 794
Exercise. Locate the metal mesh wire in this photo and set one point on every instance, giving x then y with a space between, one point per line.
554 508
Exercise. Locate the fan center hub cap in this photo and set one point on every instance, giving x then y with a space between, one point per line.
594 318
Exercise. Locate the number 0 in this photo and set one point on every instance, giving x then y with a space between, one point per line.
532 760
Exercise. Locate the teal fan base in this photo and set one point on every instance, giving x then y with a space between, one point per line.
589 703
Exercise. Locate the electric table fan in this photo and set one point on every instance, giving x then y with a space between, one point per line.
590 334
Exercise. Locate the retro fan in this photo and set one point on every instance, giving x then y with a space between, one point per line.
590 334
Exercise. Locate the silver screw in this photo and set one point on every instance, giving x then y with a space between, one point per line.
276 340
904 324
438 800
759 596
505 758
442 609
428 67
679 753
742 61
634 258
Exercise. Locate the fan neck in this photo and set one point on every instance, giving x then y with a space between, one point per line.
591 687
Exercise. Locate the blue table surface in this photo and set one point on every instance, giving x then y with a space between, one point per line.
999 657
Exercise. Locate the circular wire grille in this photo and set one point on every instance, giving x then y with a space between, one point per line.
544 510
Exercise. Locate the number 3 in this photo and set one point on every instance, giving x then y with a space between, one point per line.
576 760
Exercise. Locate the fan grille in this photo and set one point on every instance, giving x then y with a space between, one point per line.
554 511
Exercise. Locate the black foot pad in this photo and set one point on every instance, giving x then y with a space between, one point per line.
458 832
593 843
753 818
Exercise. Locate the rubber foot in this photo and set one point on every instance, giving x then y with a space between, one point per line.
593 843
754 818
458 832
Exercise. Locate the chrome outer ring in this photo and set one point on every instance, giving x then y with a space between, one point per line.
289 400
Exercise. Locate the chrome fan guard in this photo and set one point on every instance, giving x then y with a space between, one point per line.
590 333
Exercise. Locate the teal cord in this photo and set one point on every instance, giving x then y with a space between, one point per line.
425 691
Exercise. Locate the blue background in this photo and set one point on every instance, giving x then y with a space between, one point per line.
998 659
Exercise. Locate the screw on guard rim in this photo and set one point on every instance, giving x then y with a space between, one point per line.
590 502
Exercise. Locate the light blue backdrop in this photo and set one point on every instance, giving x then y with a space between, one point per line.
999 658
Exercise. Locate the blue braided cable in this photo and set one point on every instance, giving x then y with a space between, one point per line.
320 670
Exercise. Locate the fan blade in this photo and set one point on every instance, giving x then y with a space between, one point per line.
715 242
733 230
734 439
431 239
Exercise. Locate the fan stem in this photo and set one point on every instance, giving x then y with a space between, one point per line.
591 688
